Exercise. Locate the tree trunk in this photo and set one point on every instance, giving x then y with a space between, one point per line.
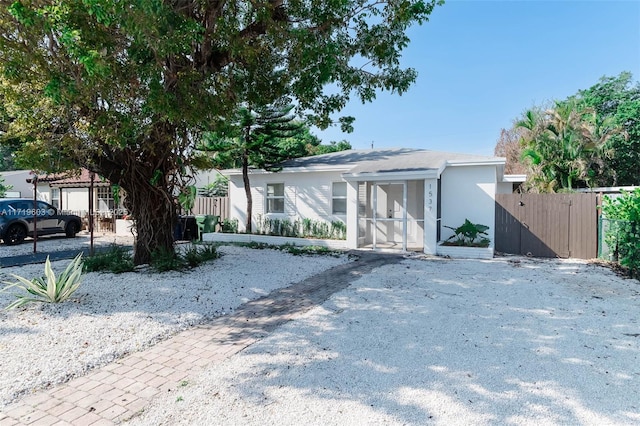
155 213
247 191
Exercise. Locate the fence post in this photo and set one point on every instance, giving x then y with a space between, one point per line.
600 237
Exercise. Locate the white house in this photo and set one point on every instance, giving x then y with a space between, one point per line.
17 179
388 198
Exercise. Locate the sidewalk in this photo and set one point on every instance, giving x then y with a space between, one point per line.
119 391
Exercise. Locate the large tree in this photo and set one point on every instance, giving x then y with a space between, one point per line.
617 99
565 146
124 88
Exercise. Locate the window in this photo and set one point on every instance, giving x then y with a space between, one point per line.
55 198
105 199
339 198
275 198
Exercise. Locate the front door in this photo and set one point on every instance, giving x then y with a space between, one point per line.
389 213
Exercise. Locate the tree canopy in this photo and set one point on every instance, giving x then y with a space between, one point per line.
589 139
126 88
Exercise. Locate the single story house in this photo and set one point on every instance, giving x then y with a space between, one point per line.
388 198
70 192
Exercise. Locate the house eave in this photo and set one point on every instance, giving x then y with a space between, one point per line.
388 176
492 162
322 169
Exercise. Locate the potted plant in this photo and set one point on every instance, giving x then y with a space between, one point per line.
470 240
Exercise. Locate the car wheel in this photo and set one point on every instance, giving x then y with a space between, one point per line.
15 234
71 230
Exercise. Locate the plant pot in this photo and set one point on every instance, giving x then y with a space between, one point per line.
464 252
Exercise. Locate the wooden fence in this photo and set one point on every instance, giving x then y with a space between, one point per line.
217 206
547 225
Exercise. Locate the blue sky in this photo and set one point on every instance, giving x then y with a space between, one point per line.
482 63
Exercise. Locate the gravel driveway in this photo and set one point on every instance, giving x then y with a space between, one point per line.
519 341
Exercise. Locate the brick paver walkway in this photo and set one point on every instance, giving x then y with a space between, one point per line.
119 391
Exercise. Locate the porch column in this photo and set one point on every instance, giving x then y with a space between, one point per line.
352 214
430 215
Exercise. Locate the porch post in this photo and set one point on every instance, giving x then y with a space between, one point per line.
404 215
430 216
375 210
352 214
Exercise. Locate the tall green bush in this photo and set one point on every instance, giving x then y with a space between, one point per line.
302 228
625 209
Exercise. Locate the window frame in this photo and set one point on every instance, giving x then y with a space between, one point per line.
335 197
268 198
56 201
104 195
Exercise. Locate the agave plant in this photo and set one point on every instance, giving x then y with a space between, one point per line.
48 289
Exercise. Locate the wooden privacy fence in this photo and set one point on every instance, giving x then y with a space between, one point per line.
217 206
547 225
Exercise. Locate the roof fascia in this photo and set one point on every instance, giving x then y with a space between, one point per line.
387 176
234 172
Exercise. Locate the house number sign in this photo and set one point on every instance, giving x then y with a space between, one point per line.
430 198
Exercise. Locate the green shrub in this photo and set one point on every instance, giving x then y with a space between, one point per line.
117 260
305 228
290 248
625 211
163 260
48 289
302 250
230 226
196 255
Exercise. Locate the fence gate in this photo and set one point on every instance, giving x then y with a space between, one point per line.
547 225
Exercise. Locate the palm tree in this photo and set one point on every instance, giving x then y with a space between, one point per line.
565 146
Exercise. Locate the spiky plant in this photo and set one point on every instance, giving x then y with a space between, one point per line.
48 289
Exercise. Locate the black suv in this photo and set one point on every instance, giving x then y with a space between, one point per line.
17 217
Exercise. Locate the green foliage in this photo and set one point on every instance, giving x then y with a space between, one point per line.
618 99
218 188
308 250
187 198
625 210
48 289
196 255
192 256
291 248
589 139
126 88
565 146
333 146
3 188
116 260
163 260
230 226
469 234
302 228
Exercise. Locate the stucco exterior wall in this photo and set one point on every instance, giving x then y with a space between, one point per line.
307 195
75 198
504 188
468 193
18 180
